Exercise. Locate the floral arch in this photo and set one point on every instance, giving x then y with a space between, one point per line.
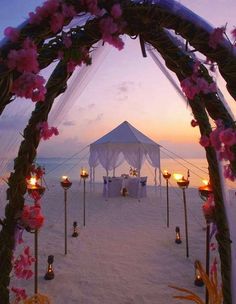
41 40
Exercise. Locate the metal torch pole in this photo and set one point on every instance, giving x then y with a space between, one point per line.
186 223
207 256
65 200
36 261
84 201
167 201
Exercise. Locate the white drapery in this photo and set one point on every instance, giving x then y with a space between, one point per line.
124 143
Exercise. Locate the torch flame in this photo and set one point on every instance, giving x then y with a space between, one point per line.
178 176
205 182
33 181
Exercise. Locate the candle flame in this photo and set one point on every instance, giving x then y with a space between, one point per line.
64 178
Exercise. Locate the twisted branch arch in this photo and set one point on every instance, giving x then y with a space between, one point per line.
148 21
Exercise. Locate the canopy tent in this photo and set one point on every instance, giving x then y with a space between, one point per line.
124 143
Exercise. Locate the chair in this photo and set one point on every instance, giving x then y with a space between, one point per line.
137 187
143 186
112 186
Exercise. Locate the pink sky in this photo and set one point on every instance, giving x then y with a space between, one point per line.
129 87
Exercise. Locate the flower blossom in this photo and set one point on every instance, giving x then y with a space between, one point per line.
92 6
214 267
21 265
19 293
12 34
204 141
25 59
209 208
109 30
228 173
116 11
31 217
47 9
215 140
45 131
38 171
228 136
56 22
216 37
31 86
192 86
226 153
194 123
68 11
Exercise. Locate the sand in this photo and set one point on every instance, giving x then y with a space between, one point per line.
125 253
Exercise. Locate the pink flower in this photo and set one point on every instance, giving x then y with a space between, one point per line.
216 37
24 60
189 88
204 141
209 208
12 34
194 123
214 267
20 294
215 139
47 9
228 137
31 86
116 11
92 6
31 217
68 11
45 131
204 86
56 22
107 26
226 154
21 265
228 173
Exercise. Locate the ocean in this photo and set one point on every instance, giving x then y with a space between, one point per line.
56 167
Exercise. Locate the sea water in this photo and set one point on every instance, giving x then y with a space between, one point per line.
196 167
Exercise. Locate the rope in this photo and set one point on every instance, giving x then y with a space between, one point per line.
188 162
62 163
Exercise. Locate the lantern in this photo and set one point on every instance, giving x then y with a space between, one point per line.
50 273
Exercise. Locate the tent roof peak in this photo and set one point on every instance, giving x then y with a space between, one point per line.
125 133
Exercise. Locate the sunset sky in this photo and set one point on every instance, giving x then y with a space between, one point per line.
127 86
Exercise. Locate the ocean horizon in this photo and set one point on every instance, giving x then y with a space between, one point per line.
55 167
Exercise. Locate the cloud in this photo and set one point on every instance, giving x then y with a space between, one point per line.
123 89
69 123
99 117
60 148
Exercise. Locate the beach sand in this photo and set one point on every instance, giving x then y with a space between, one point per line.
125 254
